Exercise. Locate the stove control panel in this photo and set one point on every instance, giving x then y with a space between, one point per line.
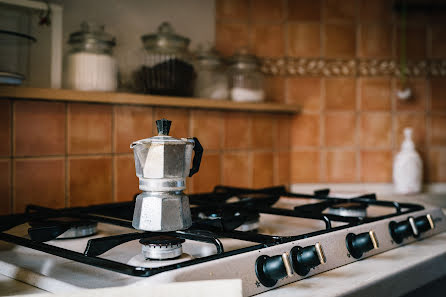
358 244
410 227
270 269
303 259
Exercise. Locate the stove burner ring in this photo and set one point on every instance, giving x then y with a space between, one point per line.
351 209
162 247
75 228
251 225
87 228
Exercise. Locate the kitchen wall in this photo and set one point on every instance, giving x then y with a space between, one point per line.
351 124
330 57
72 154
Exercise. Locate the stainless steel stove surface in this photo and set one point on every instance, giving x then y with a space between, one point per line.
267 238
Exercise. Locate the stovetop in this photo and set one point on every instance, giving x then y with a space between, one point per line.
267 237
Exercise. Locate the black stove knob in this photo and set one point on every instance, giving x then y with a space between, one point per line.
303 259
358 244
403 229
424 223
270 269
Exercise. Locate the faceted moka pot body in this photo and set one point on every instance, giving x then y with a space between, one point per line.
162 164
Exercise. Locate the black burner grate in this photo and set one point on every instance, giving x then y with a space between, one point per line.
215 215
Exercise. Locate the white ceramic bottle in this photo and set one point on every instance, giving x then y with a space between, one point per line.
407 167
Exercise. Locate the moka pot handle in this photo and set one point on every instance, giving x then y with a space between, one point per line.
198 149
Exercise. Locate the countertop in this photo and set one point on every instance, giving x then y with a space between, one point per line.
10 287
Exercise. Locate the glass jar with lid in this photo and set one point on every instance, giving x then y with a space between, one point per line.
167 68
212 78
245 78
90 65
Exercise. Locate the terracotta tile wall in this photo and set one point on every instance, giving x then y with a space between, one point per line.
72 154
66 154
350 127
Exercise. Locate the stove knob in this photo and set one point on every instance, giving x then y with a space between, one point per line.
424 223
357 244
403 229
303 259
270 269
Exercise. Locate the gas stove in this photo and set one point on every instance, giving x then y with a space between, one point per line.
266 237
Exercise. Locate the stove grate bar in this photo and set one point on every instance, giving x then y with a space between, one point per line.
113 265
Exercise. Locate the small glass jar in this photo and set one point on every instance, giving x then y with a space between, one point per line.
168 66
90 65
212 78
245 78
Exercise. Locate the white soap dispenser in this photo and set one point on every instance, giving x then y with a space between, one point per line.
407 167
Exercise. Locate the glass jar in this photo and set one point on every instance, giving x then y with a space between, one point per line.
212 79
90 65
167 68
245 78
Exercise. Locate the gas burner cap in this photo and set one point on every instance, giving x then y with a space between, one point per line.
76 227
249 226
349 209
162 247
80 229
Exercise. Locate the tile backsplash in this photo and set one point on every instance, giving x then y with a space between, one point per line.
73 154
351 125
61 154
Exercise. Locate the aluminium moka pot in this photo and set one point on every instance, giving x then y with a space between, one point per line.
162 164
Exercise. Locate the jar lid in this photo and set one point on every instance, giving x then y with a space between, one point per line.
92 33
165 38
208 56
243 60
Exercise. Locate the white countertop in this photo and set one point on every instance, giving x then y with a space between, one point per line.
10 287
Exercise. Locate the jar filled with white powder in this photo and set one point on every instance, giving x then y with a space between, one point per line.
212 78
90 65
245 78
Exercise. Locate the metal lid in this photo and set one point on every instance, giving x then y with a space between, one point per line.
163 137
92 33
208 56
165 39
243 60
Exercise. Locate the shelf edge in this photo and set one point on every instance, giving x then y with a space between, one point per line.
14 92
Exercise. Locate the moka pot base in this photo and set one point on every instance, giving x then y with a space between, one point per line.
162 211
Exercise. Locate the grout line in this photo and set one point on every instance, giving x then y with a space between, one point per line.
286 29
275 154
11 162
322 112
67 163
323 175
358 94
113 149
222 142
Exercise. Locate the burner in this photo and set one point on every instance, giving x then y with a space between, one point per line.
161 247
229 219
249 225
348 209
62 228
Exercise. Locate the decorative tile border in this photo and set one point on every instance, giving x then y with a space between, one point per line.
289 66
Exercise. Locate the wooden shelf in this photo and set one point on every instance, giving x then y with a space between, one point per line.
9 92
